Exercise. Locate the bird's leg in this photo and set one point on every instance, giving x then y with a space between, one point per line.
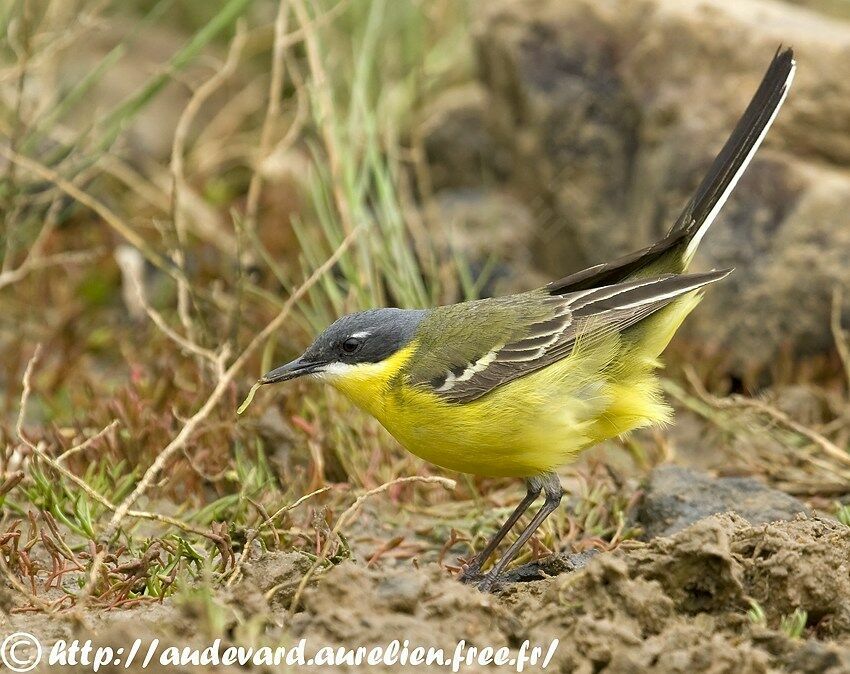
553 493
472 572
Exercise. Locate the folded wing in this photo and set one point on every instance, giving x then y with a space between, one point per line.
584 315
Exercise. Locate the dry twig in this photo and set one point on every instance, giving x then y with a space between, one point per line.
272 113
35 262
324 106
224 381
271 518
201 95
186 344
85 444
738 402
839 334
346 516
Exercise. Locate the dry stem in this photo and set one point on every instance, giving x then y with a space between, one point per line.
184 343
224 381
33 263
201 95
346 516
777 415
85 444
324 105
839 335
272 112
271 518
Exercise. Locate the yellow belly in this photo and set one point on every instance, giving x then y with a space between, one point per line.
527 427
533 424
512 432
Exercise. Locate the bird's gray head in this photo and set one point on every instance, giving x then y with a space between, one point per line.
365 337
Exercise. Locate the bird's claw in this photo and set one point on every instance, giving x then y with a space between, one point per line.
489 583
470 574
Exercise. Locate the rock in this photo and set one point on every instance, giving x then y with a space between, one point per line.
459 147
697 566
679 603
804 403
401 592
359 606
494 233
676 497
819 658
611 112
277 572
722 561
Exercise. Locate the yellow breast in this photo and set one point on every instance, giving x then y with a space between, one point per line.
606 387
529 426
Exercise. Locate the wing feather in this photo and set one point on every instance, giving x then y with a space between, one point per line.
584 315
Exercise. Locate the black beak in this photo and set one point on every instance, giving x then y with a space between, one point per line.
297 368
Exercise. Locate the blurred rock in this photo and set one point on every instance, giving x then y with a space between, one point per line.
459 147
804 403
495 234
132 266
611 111
816 657
401 592
122 56
148 132
276 575
676 497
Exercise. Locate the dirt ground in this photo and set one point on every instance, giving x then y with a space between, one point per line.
643 606
715 597
719 595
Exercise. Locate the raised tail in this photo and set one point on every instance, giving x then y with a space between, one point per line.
733 159
673 253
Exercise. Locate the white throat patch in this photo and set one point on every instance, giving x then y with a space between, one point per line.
338 370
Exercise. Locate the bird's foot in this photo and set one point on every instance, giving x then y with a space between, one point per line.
470 574
490 583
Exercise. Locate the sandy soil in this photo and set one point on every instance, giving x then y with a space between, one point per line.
675 604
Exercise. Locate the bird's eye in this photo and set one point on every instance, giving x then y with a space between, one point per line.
351 345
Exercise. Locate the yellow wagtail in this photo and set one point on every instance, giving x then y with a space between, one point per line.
519 385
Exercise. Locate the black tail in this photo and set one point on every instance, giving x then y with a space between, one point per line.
712 193
733 159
